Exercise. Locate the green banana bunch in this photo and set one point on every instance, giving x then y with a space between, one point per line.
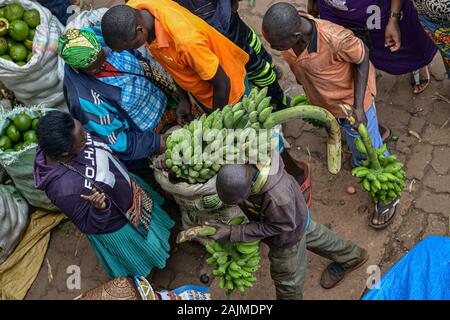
234 263
382 177
257 106
302 99
234 268
196 152
187 144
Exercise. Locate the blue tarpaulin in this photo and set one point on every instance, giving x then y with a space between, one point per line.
422 274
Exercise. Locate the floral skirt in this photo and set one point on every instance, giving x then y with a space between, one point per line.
439 31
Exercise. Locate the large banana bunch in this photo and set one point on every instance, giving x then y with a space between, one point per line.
184 153
383 177
257 107
196 152
302 100
235 264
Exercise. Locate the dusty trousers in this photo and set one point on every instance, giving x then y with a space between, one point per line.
288 265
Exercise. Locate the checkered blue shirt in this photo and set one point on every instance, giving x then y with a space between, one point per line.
142 100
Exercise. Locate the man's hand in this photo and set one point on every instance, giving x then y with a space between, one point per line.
184 114
392 35
162 143
223 231
360 116
221 88
159 162
98 200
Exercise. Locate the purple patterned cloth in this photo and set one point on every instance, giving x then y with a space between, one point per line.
417 49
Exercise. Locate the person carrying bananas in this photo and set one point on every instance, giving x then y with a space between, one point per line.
333 67
279 217
202 62
224 17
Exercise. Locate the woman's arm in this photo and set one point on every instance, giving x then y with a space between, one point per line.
86 217
396 5
392 33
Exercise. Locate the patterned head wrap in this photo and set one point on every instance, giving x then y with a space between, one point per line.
79 48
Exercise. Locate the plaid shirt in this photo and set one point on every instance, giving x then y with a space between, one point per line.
141 99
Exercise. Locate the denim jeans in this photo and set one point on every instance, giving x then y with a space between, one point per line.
374 133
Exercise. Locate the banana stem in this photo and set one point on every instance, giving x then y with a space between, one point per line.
313 112
371 153
195 232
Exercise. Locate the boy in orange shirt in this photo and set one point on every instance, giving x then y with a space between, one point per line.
333 67
202 61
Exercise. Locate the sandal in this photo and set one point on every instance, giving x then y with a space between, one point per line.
416 81
384 210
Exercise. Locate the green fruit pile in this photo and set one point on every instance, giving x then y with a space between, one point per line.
383 177
196 152
302 100
19 134
234 263
256 107
17 29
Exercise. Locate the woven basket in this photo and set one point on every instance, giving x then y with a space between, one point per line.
117 289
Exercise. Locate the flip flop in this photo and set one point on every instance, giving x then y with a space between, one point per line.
306 187
415 110
422 82
384 210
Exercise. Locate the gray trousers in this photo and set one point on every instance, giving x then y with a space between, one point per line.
288 265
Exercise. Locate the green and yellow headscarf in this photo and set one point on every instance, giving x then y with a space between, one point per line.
79 48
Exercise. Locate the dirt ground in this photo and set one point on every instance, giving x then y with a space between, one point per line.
424 208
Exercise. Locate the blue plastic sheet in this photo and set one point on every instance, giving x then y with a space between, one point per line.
422 274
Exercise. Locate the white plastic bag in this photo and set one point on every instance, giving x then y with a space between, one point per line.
86 19
40 80
5 105
13 219
20 165
198 202
3 175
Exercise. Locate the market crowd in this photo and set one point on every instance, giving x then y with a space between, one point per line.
204 57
